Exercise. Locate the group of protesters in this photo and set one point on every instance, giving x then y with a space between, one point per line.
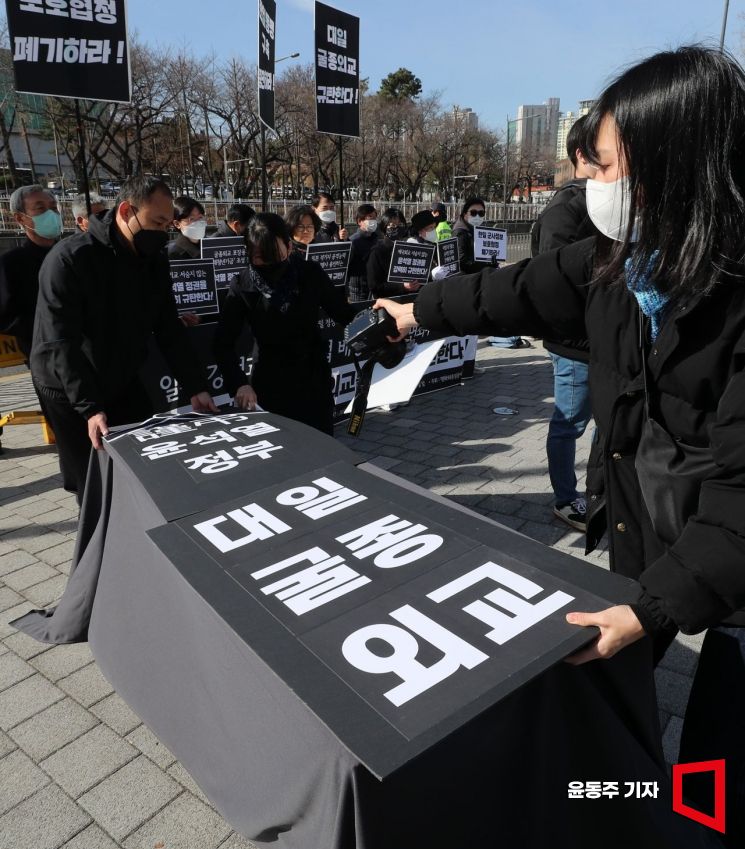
637 284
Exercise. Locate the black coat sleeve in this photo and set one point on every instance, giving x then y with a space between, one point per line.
233 316
701 578
173 340
332 298
465 252
58 334
544 296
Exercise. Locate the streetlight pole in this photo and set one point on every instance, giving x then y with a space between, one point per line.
724 26
264 186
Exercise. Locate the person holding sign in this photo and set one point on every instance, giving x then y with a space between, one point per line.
189 220
324 206
102 295
280 295
393 227
363 241
660 296
304 225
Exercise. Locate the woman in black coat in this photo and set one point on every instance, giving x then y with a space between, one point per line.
189 220
661 298
280 295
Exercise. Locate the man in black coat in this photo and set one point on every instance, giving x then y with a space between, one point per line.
31 206
101 295
565 220
235 222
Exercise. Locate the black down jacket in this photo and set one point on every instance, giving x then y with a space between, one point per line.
697 371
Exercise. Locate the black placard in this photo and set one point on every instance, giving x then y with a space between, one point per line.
447 255
337 61
188 462
333 257
265 69
193 282
228 253
69 48
410 262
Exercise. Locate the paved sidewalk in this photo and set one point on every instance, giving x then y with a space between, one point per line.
78 769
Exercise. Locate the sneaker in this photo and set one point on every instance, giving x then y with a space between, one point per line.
573 514
522 343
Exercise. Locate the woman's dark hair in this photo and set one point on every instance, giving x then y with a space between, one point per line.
389 215
681 128
295 217
317 198
183 206
472 201
262 233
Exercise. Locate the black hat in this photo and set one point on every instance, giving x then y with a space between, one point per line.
421 220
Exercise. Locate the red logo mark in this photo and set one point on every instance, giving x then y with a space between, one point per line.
717 767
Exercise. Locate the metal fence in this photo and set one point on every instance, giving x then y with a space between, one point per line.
216 210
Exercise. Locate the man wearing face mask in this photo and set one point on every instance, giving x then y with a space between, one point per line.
34 209
565 220
363 241
325 208
102 294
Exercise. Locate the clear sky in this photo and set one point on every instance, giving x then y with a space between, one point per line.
488 55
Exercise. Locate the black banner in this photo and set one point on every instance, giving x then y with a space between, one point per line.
447 255
70 48
265 68
194 289
410 262
337 72
333 257
228 253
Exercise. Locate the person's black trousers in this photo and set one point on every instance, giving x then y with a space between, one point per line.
71 429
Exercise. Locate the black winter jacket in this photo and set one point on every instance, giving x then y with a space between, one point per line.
697 371
563 221
19 288
223 231
378 264
98 305
464 234
183 248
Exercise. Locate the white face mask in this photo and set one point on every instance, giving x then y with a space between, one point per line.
475 220
430 236
371 225
195 231
609 205
328 216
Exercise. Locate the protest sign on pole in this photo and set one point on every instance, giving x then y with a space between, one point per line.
265 69
193 284
410 262
447 256
489 242
70 49
333 257
337 72
229 256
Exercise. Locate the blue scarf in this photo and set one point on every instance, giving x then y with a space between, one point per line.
652 302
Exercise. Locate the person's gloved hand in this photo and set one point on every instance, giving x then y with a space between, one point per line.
440 271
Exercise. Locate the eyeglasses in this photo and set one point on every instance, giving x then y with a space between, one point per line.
476 211
306 228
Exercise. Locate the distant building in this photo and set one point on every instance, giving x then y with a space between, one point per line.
566 122
584 107
31 137
464 116
536 127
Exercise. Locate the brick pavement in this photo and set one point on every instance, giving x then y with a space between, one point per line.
78 769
